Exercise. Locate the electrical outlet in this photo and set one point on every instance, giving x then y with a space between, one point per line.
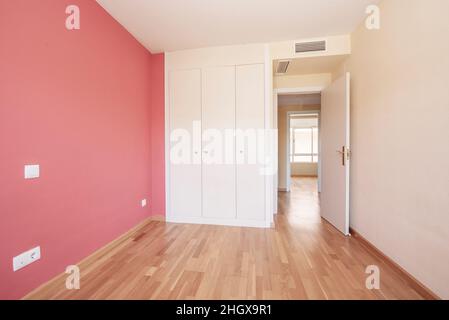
144 203
26 258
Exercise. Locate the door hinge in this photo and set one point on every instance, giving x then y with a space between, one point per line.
348 154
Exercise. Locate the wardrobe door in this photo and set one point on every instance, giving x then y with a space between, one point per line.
250 124
185 147
219 143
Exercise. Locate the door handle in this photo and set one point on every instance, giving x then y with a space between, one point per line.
343 155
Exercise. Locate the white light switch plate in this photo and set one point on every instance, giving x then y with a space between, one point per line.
32 171
26 258
144 203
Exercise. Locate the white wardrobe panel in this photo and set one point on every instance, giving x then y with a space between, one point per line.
218 116
185 164
250 119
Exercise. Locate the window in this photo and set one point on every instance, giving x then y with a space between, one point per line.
304 145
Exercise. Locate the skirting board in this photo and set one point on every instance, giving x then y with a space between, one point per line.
304 176
158 217
221 222
412 281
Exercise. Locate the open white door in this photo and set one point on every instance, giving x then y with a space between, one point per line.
335 154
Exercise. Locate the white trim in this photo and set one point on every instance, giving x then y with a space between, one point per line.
319 153
221 222
348 147
270 204
300 90
276 155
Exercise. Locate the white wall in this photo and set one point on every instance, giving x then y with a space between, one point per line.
400 123
215 56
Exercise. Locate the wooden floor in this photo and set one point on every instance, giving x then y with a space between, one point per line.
302 258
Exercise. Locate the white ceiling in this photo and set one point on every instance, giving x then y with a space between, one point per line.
170 25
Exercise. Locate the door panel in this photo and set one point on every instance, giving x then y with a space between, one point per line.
219 153
335 162
250 118
185 176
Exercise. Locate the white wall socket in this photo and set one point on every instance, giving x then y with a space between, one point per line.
32 171
144 203
26 258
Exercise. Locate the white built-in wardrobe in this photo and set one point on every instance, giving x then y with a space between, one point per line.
207 106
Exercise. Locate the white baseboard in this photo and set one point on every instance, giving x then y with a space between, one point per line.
221 222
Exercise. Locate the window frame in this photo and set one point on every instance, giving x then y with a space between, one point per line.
314 154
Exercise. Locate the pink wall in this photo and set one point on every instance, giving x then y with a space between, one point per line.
158 134
80 104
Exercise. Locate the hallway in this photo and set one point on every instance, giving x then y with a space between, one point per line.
301 205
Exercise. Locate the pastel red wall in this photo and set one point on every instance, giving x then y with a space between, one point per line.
82 104
158 135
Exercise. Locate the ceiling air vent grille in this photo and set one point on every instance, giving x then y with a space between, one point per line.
314 46
282 66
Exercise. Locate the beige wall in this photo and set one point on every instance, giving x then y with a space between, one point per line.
307 80
282 140
304 169
400 123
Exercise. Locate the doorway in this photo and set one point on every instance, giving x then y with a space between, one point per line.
303 146
299 155
298 138
322 152
313 137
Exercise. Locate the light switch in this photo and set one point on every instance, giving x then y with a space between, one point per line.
32 171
